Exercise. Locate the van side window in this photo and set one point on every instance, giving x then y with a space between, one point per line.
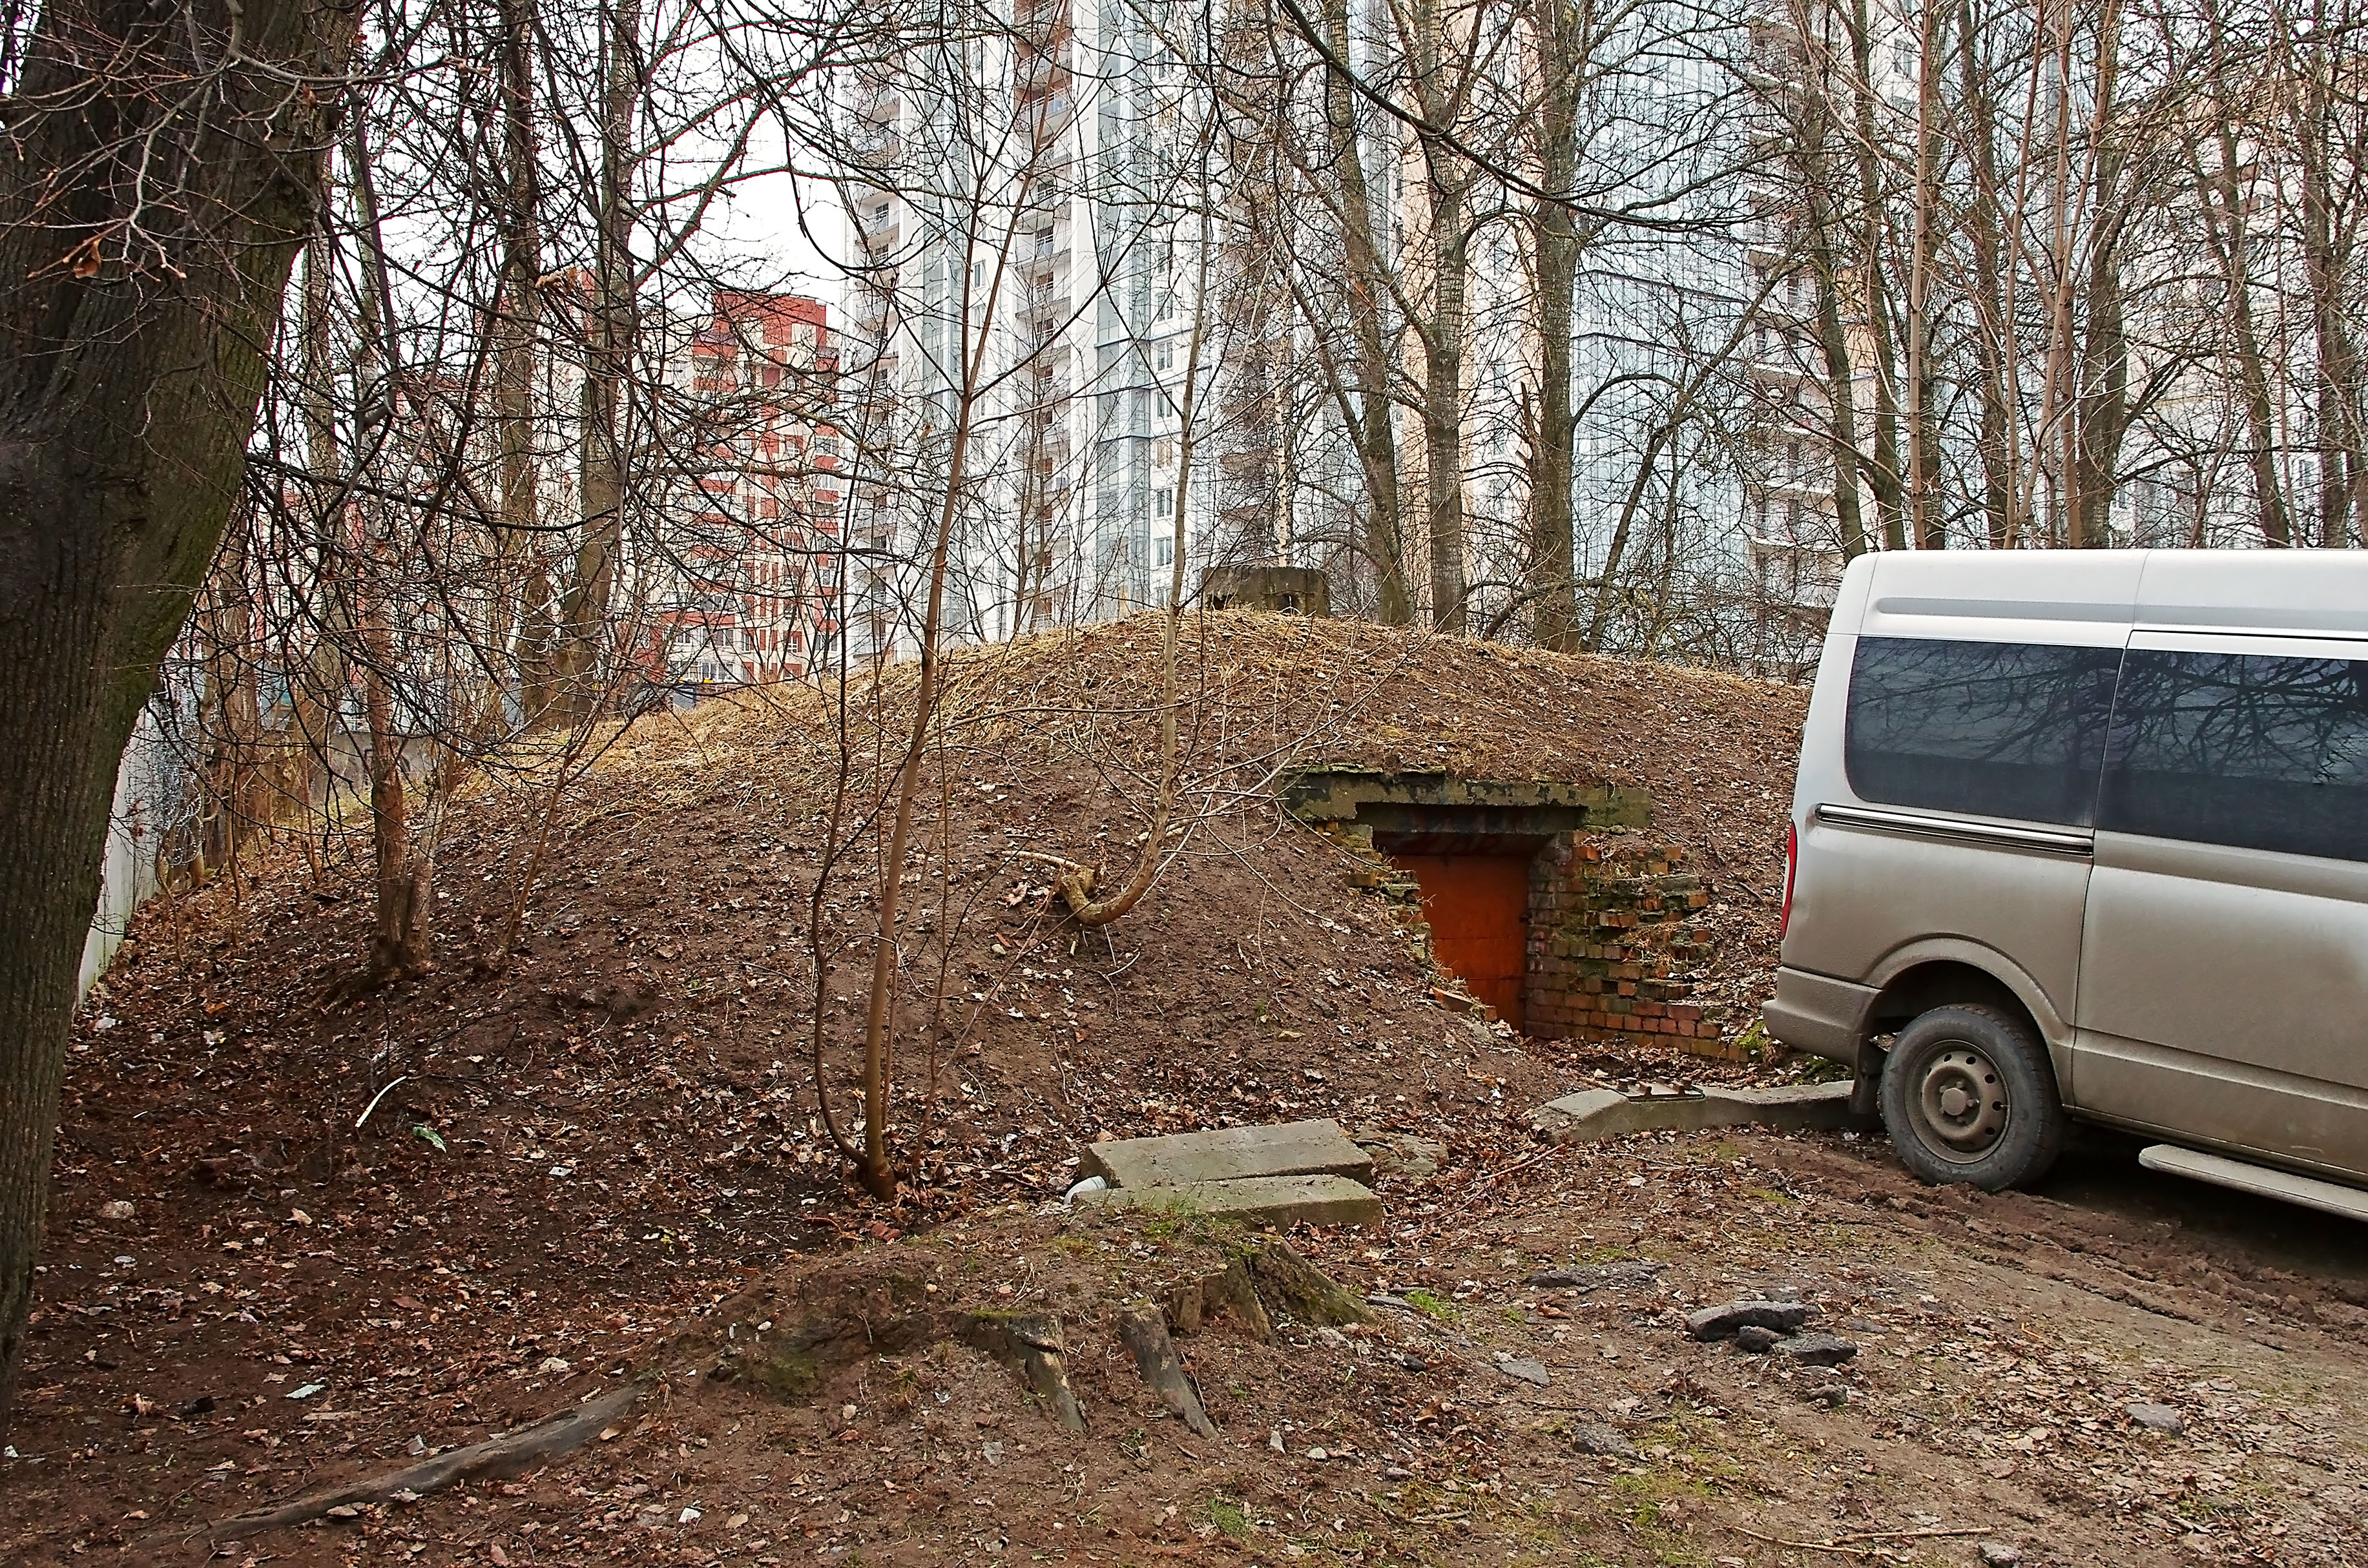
2244 749
1991 729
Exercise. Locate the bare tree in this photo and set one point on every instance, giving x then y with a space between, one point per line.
163 171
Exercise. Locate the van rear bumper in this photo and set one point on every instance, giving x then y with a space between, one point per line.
1818 1014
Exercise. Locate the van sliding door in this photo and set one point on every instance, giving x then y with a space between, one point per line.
2224 987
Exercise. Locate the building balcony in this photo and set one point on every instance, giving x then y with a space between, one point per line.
1802 486
1774 372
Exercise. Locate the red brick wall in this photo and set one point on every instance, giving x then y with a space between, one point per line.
1613 942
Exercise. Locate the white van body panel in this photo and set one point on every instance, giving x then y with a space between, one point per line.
2299 592
2077 597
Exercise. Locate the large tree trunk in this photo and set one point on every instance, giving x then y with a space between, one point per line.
2103 404
1841 410
317 669
522 587
1823 233
2097 397
1927 516
608 362
131 366
2222 203
1553 565
2327 143
1442 401
1993 329
1883 473
1373 433
1438 83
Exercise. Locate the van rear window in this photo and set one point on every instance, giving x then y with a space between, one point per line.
2244 749
1989 728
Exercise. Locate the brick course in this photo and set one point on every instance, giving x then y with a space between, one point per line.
1612 941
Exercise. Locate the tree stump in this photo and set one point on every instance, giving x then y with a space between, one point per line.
1030 1343
1301 1290
1236 1290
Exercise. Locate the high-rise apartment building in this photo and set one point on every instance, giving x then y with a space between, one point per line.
751 566
1026 254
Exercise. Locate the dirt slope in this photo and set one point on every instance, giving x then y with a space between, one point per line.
650 1031
621 1120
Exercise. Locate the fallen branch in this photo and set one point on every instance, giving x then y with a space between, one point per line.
373 1105
1841 1545
507 1455
1491 1178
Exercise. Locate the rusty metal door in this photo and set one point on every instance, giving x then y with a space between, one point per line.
1478 906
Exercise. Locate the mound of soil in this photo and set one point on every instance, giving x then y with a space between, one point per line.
425 1188
651 1036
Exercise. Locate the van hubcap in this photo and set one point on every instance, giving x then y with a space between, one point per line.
1964 1101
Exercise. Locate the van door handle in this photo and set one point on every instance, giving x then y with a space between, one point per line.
2052 840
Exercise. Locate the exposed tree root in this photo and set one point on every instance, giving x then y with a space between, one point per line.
509 1454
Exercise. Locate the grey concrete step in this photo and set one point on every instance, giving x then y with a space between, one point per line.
1591 1114
1272 1200
1229 1154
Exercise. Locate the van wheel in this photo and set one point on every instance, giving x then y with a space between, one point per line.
1968 1095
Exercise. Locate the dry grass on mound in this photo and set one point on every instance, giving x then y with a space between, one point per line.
651 1029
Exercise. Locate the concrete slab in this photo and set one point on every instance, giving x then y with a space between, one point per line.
1593 1114
1278 1200
1229 1154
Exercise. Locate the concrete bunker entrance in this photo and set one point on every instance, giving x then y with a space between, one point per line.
1553 905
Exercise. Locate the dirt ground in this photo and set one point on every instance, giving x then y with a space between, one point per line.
2002 1343
299 1238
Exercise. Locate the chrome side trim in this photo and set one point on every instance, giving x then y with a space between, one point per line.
2052 840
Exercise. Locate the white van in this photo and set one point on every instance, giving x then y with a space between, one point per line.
2085 833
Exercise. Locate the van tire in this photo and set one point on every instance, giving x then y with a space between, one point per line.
1968 1095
